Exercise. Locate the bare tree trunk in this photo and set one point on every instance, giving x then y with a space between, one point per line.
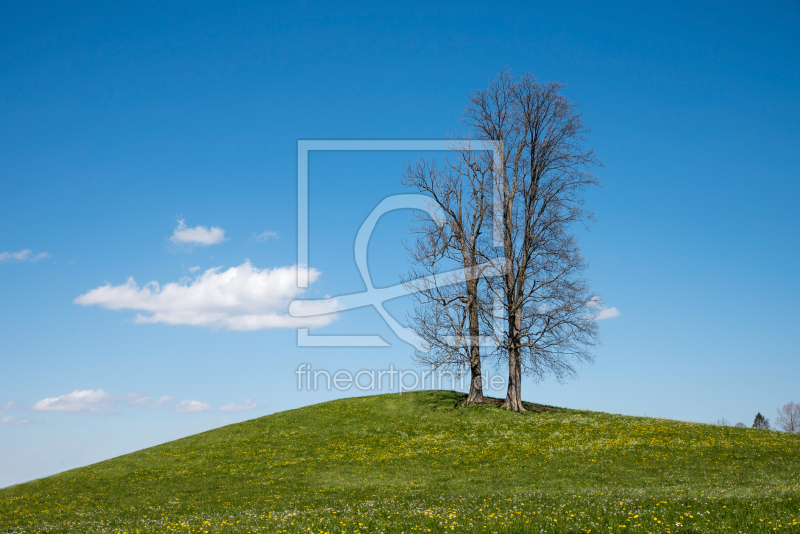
513 399
476 381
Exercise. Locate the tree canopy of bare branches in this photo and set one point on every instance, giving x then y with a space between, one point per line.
547 306
789 418
449 307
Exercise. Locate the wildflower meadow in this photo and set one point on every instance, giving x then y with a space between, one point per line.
418 462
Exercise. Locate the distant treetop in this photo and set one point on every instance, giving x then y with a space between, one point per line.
761 422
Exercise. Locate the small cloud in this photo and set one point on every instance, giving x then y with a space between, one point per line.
143 401
89 401
11 420
607 313
191 406
248 405
6 407
264 236
596 303
162 401
194 269
197 235
22 255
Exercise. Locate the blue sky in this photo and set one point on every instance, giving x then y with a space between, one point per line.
120 122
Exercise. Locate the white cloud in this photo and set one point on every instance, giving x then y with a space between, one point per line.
11 420
264 236
191 406
197 235
240 298
607 313
248 405
96 401
5 407
91 401
194 269
23 255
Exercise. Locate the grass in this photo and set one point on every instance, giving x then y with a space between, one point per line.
415 463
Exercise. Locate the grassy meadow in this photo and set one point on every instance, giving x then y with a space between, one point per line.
415 463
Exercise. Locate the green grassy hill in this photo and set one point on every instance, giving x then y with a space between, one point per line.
415 463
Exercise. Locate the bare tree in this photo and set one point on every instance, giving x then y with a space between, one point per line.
547 308
448 310
789 418
723 422
741 425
